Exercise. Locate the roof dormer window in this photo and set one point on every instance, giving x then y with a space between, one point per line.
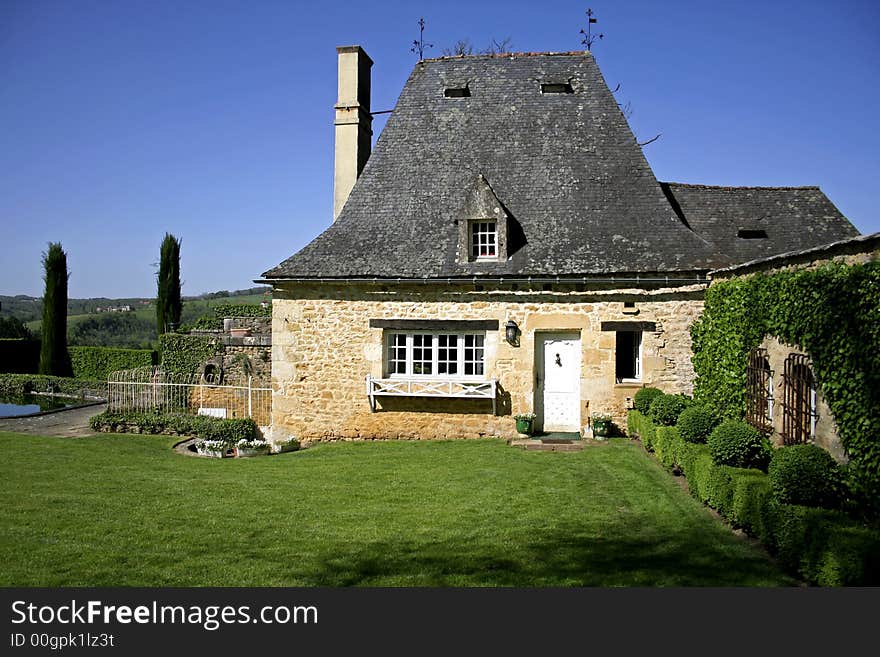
751 234
457 92
484 240
557 88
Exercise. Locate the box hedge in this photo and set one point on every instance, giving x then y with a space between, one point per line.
180 424
644 397
821 547
19 384
665 409
99 362
806 475
736 443
639 426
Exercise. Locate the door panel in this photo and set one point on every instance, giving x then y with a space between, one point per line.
558 376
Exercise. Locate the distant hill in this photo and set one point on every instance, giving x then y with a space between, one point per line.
30 309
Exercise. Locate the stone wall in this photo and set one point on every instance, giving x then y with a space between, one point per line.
323 348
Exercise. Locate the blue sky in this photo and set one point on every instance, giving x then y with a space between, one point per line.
120 121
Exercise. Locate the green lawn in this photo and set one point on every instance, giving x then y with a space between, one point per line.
127 511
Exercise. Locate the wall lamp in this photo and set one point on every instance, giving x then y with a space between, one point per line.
511 332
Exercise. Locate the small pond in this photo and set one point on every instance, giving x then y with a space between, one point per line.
18 405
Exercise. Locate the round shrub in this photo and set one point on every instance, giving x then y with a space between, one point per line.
666 409
696 423
644 397
735 443
806 475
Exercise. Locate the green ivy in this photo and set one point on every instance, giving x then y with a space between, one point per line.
185 354
833 314
242 310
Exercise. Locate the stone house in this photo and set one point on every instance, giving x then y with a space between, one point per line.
505 249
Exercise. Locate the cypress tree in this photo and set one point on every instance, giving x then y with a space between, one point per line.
54 358
168 303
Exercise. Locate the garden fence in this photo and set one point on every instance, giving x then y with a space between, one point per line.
154 389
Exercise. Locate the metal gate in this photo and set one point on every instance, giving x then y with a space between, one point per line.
759 390
799 403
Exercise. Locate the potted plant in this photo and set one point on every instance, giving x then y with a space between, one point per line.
215 448
245 447
525 423
601 425
289 445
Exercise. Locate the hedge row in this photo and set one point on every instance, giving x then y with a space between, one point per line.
98 362
19 384
820 546
242 310
177 424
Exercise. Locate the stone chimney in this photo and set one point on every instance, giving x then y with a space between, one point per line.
353 122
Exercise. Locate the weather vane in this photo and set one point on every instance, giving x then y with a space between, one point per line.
589 37
420 45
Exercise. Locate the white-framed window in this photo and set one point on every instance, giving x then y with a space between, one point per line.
628 359
435 354
484 240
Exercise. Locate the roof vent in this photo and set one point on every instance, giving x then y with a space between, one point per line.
457 92
557 88
750 234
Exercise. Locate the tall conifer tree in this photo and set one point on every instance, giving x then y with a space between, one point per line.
168 303
54 358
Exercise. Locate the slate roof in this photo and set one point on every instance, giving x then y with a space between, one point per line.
581 197
793 218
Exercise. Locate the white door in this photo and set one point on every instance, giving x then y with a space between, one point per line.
558 379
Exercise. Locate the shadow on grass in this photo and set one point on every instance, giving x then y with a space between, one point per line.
565 557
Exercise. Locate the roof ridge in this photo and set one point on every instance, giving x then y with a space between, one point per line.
507 55
701 186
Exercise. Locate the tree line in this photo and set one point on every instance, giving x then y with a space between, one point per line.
54 356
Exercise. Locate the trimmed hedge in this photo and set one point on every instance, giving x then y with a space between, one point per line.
733 442
806 475
19 384
665 409
821 547
640 426
696 423
98 362
242 310
644 397
177 424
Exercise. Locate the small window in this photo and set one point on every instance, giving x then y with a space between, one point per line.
799 401
484 240
748 234
457 92
759 390
557 88
629 356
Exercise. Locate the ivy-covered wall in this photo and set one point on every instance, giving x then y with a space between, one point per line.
185 354
831 312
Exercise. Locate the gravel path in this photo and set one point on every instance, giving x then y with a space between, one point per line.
70 423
